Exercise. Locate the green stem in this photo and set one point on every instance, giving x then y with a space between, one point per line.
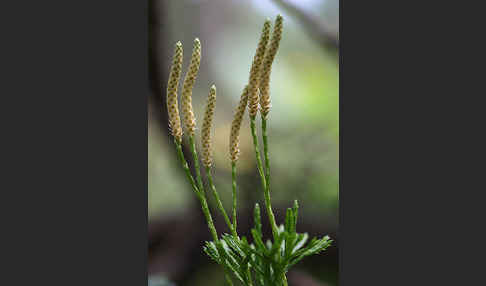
196 163
185 166
233 179
266 193
257 152
199 192
207 214
265 151
219 203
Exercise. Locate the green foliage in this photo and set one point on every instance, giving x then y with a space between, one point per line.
265 263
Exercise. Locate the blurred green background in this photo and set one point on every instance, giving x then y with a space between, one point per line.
303 129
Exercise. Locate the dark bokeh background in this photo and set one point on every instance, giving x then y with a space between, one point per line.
303 129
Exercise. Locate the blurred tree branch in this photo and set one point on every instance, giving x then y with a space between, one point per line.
316 29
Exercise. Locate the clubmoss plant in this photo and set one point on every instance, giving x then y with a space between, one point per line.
251 262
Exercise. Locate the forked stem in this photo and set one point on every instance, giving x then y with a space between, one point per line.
266 193
207 214
199 192
220 204
185 166
196 163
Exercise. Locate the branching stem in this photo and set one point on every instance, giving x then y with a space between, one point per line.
219 203
185 166
199 191
207 214
266 193
196 163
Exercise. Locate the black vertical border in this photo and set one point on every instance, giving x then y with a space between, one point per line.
76 76
404 213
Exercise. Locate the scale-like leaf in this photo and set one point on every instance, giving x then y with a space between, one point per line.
289 244
229 261
234 245
278 243
301 240
316 246
211 251
257 219
289 220
296 214
257 239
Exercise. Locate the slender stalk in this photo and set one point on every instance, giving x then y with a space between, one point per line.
233 179
196 163
219 203
207 214
199 192
266 193
202 193
265 151
257 152
186 167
